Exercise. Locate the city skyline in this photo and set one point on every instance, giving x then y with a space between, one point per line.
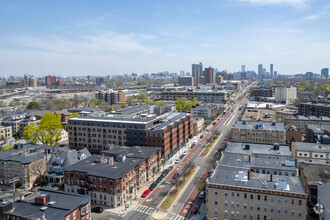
105 38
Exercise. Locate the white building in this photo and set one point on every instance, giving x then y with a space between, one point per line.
285 94
323 201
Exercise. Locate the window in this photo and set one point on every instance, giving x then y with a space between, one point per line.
278 200
226 213
251 196
237 214
265 208
265 198
299 213
292 201
226 203
232 194
245 195
271 209
237 204
258 197
258 207
216 192
251 206
272 198
292 212
215 211
216 202
244 216
279 210
285 200
68 217
237 194
300 202
232 213
245 205
285 211
232 204
226 193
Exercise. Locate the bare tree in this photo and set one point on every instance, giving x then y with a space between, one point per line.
39 168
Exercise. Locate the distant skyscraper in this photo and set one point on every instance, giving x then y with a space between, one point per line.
271 71
260 71
197 72
275 74
325 73
243 68
209 73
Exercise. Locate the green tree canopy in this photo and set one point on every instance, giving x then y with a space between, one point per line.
8 146
184 104
33 105
46 131
94 102
73 115
142 97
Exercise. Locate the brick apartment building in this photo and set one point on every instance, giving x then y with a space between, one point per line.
111 96
97 131
258 132
113 178
314 109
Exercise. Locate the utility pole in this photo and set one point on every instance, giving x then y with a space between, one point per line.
13 181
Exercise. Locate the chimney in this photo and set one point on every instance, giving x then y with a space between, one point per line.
249 174
46 151
271 177
296 162
249 158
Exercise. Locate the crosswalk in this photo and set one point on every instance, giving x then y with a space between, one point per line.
173 216
144 209
149 211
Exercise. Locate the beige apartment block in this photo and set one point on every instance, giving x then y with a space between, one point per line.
5 132
258 132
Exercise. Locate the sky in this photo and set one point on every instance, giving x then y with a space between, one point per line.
105 37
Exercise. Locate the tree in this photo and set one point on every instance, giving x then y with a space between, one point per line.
73 115
188 106
161 102
39 168
142 97
8 146
123 104
94 102
33 105
46 131
178 107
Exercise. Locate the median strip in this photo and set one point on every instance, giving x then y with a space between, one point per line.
173 195
210 145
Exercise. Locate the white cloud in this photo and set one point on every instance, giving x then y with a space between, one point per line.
103 43
319 15
301 4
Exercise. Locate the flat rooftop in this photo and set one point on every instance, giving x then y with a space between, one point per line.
116 170
311 147
228 176
257 149
269 126
317 104
169 118
310 118
119 118
134 107
133 152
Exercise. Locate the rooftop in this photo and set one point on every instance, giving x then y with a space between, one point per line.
133 152
169 118
257 149
310 118
130 108
63 204
312 171
115 170
228 175
119 118
323 195
316 103
259 125
311 147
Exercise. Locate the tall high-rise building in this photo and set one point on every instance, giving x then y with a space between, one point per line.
260 71
271 71
325 73
197 72
50 80
275 74
243 68
209 73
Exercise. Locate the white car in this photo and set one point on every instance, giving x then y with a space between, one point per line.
177 161
195 142
185 153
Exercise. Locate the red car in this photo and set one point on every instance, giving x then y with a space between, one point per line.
192 146
145 193
170 168
194 209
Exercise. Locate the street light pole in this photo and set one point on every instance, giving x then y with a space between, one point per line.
13 181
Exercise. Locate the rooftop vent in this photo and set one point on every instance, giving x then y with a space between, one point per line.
247 147
276 146
43 208
273 123
282 185
241 176
244 122
51 203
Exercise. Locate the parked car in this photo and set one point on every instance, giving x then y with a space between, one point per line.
192 146
170 168
152 186
145 193
201 195
177 161
159 179
194 209
201 136
195 142
214 123
185 153
181 157
97 209
175 176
